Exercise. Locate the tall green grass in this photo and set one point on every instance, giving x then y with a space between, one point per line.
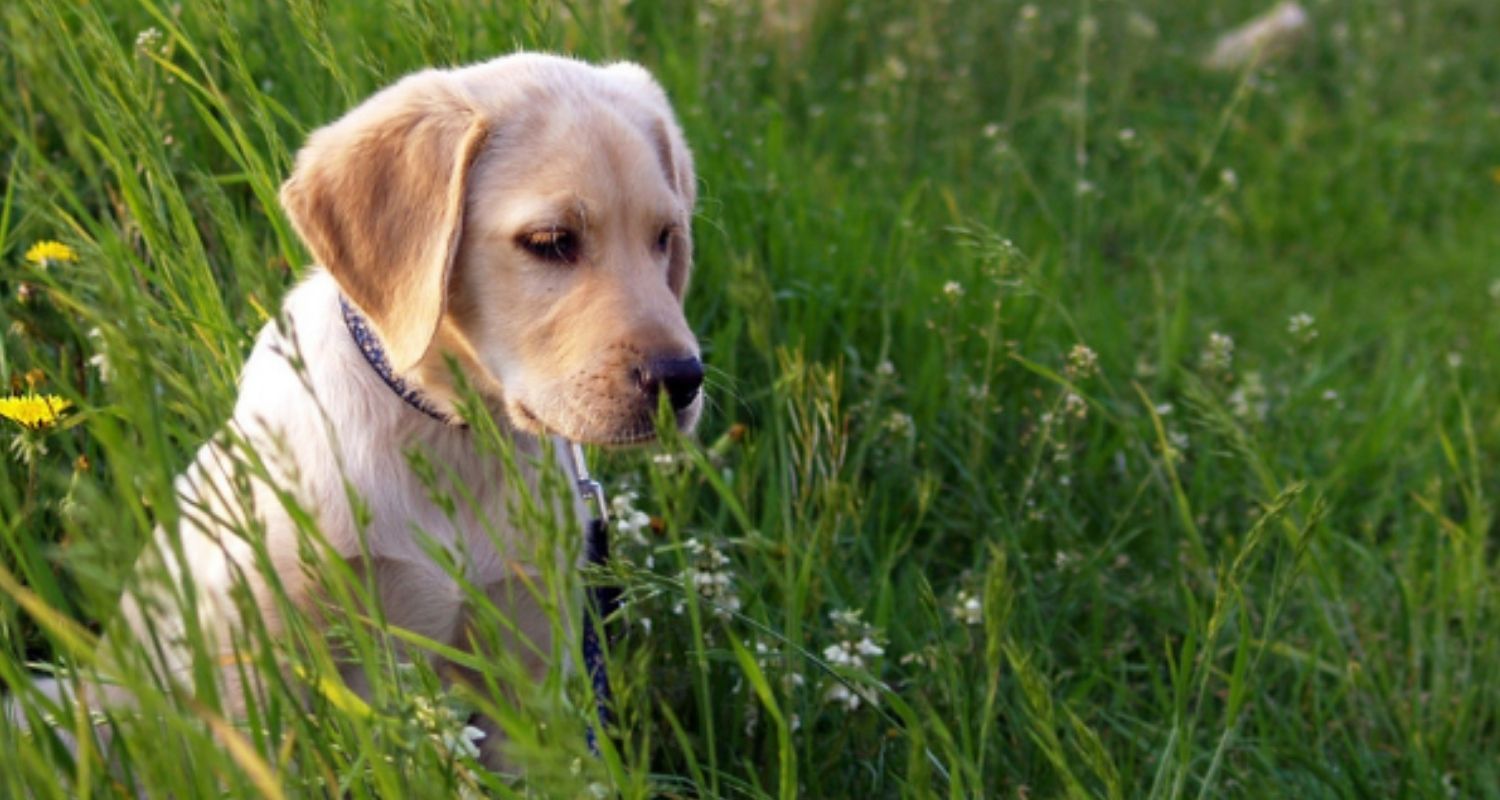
1260 565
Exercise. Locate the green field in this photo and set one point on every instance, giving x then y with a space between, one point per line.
1145 415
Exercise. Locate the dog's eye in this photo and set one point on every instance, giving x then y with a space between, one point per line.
663 240
553 244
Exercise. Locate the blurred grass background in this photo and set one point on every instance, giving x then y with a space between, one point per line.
999 304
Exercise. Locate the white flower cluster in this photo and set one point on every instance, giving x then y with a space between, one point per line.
858 643
900 425
1302 327
1218 354
709 576
1248 400
149 41
852 654
447 727
100 359
967 608
626 519
1083 363
1075 406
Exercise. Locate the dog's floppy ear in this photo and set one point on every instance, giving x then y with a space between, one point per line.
676 161
675 152
378 196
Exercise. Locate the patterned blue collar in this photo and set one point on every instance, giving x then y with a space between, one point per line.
369 345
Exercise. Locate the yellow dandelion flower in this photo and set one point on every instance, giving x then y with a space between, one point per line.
50 252
34 411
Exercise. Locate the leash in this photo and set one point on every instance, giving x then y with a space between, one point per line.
600 601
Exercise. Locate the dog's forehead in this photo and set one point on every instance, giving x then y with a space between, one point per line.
575 164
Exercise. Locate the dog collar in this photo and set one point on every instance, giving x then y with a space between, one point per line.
369 345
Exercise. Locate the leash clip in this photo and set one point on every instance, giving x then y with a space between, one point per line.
588 488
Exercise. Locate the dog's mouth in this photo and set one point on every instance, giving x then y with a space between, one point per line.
638 431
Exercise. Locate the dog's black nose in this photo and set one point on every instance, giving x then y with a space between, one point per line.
679 377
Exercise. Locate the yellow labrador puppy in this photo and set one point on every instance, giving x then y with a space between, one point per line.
527 219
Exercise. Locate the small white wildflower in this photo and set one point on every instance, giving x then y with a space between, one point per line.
464 743
991 131
1085 188
1075 406
978 391
446 725
1082 364
1126 136
849 617
1302 327
900 424
148 41
1248 400
842 655
1455 360
1165 409
1218 354
953 290
709 576
839 693
669 463
885 369
967 609
1029 12
1229 179
858 641
626 518
100 359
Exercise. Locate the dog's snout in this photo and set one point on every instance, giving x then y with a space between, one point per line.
680 378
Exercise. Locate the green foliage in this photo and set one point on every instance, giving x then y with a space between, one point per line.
1019 476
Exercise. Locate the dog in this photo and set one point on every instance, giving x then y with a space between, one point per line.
520 227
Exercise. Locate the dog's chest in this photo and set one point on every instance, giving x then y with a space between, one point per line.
443 505
442 536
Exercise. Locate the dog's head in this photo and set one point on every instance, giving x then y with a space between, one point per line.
529 217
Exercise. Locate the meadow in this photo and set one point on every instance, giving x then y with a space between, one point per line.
1082 422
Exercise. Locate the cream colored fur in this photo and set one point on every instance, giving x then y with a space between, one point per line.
416 204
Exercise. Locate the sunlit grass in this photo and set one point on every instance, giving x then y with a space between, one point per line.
1081 423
